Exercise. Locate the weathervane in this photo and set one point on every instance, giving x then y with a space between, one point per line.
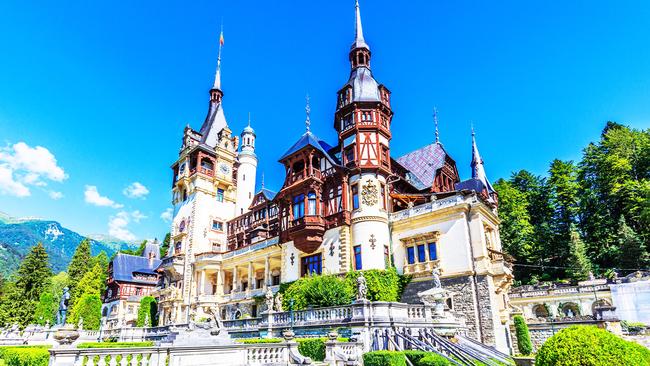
435 122
307 111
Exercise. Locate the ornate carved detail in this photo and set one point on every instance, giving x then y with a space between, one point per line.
292 258
369 194
372 241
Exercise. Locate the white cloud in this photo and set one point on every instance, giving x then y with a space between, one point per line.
117 226
136 190
55 195
167 215
22 166
92 196
8 185
137 216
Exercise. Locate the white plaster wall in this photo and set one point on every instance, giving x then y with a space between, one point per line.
453 245
291 271
246 175
207 209
331 260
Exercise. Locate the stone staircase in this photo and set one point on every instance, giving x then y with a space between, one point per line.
410 294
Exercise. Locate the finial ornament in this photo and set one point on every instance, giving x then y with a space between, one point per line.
435 121
249 119
307 111
262 180
217 75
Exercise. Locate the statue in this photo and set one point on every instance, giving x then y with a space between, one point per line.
591 276
278 302
362 288
268 299
215 318
80 324
47 324
63 307
435 273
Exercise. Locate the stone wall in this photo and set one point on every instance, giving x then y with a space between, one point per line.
540 332
485 310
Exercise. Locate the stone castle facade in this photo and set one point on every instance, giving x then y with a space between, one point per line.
341 207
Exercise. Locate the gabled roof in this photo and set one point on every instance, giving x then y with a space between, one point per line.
214 122
424 163
309 139
268 194
125 266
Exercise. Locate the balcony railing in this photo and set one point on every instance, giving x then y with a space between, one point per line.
421 267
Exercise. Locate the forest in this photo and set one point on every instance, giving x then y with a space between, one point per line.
592 215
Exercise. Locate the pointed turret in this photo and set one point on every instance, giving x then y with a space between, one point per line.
359 42
215 121
359 51
478 170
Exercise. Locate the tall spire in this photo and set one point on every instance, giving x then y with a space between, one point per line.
217 74
478 170
435 121
249 119
307 112
359 42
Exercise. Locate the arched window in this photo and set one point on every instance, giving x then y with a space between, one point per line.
311 206
540 311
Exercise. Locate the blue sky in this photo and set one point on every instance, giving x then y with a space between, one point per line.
105 88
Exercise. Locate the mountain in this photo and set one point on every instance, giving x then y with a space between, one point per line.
17 236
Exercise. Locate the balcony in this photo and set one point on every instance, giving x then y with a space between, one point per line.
297 177
174 264
307 233
420 269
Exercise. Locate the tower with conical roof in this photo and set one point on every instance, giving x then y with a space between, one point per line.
246 170
478 172
362 120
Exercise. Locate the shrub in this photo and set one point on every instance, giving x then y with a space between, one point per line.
148 310
313 348
523 336
115 344
415 356
317 291
26 356
433 359
590 346
383 285
89 308
384 358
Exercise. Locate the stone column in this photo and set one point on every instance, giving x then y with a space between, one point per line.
234 279
250 277
202 289
267 272
220 281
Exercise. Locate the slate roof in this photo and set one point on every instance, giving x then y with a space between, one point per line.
214 122
309 139
423 164
269 194
126 265
364 86
472 184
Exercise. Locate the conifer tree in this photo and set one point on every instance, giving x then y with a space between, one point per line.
45 309
33 275
89 307
80 264
578 262
634 254
164 248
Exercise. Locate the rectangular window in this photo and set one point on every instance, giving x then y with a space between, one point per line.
386 256
298 206
410 251
275 280
259 283
219 195
349 154
357 258
311 200
217 225
355 197
312 264
382 195
421 255
433 255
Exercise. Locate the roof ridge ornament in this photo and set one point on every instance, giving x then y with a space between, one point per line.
435 122
307 112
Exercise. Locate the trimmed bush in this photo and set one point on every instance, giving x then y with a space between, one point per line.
523 336
590 346
383 285
433 359
384 358
89 307
115 344
148 310
415 356
317 291
26 356
313 348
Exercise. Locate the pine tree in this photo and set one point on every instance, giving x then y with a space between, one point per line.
92 283
578 262
33 275
634 254
564 200
45 309
164 248
80 264
89 307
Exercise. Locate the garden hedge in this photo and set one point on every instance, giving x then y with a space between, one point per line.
590 346
148 310
383 285
313 348
523 335
433 359
25 356
318 291
115 344
384 358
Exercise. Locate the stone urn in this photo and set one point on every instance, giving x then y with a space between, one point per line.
288 335
66 335
332 335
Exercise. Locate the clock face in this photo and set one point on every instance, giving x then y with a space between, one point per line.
225 169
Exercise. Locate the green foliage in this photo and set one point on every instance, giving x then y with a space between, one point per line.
590 346
115 344
147 312
384 358
312 347
45 309
433 359
164 248
80 264
523 336
34 273
415 356
383 285
25 356
578 262
93 282
633 253
89 307
318 291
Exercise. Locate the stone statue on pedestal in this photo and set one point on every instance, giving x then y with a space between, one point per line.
362 288
278 302
436 278
63 307
268 299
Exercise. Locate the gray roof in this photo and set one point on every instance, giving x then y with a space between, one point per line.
364 86
125 266
309 139
269 194
214 122
423 164
359 42
151 247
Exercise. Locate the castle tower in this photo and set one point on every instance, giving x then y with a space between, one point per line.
362 120
246 171
478 173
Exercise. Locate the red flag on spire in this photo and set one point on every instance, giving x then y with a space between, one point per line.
221 39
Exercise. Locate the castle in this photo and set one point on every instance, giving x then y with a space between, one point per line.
345 206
